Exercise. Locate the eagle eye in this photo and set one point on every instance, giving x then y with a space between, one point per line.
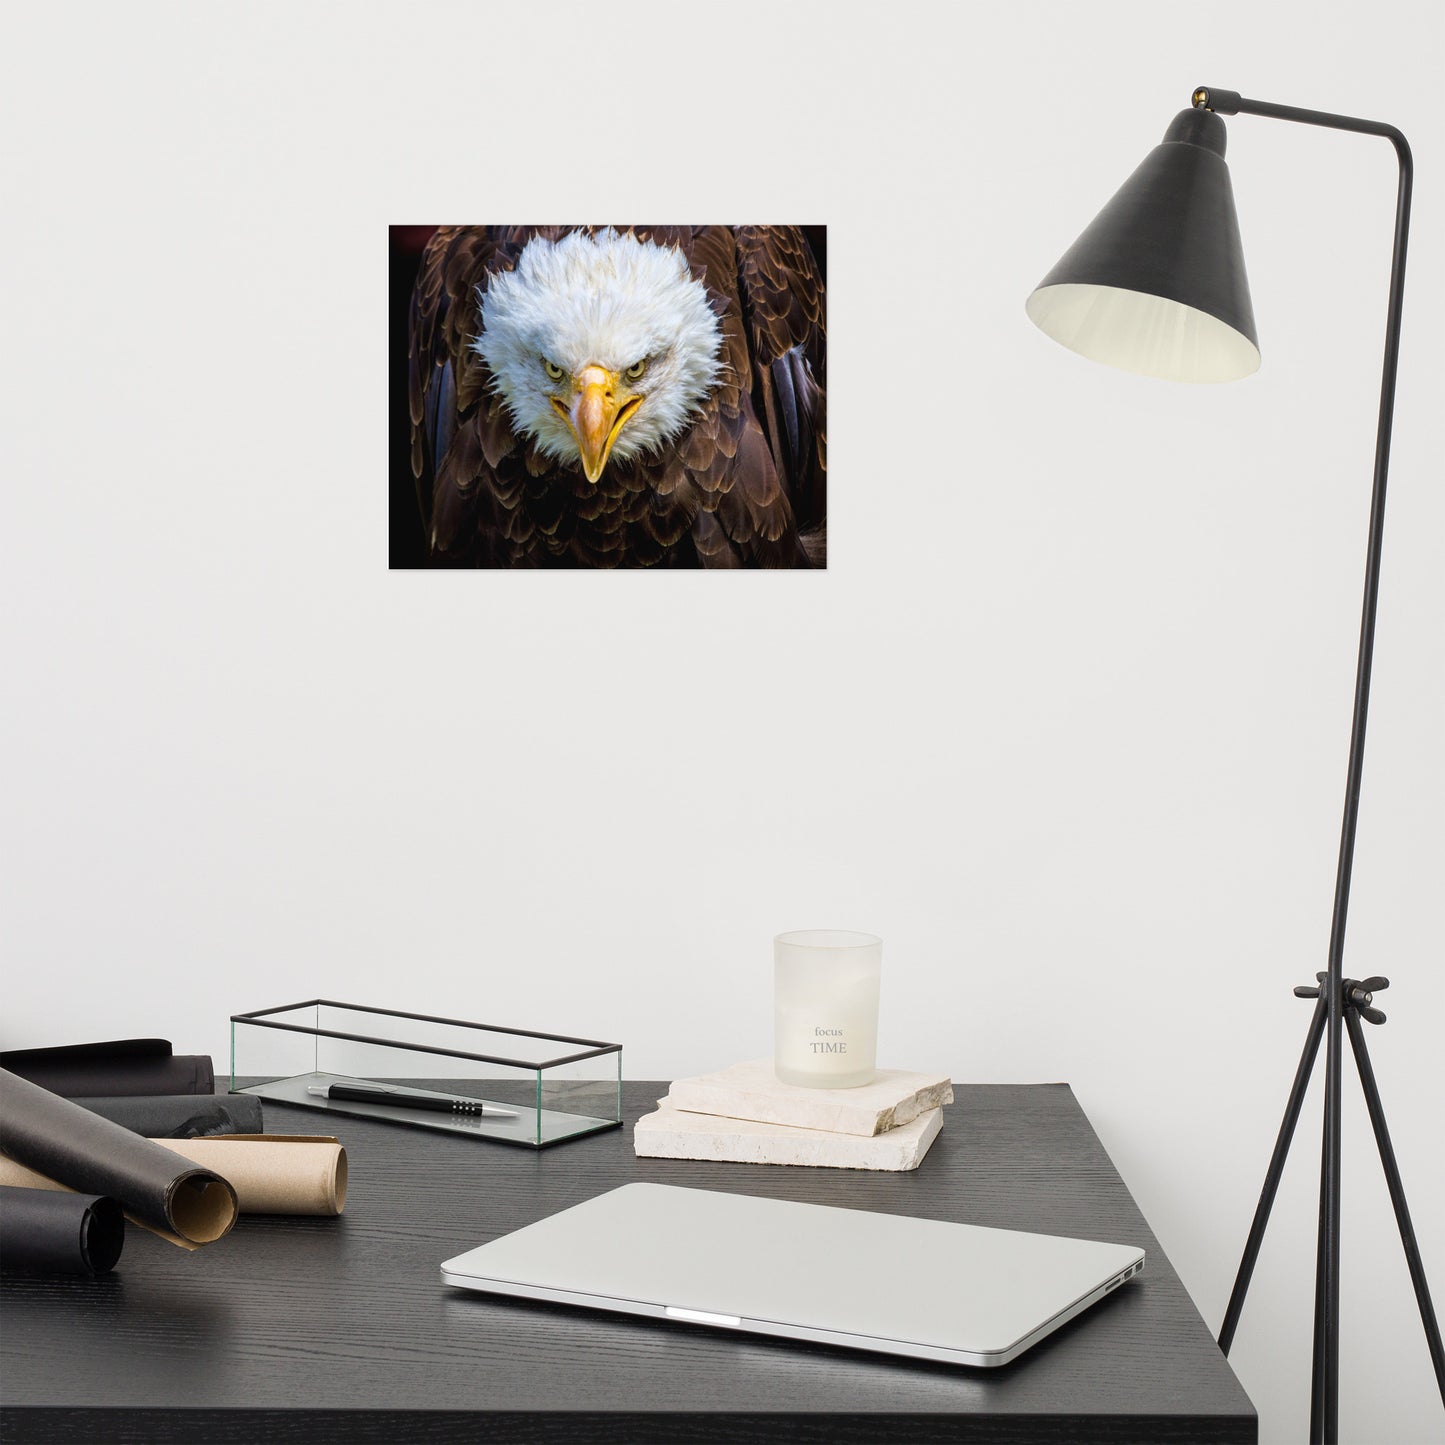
554 372
636 370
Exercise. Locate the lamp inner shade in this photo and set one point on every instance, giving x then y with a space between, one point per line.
1149 335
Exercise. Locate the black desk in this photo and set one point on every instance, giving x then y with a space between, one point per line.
339 1329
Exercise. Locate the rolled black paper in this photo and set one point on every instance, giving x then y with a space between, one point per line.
181 1116
116 1067
45 1232
91 1155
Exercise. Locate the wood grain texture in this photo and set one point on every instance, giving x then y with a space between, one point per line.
339 1329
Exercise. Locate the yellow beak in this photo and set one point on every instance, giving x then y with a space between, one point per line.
600 408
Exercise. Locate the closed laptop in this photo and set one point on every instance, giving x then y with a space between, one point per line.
926 1288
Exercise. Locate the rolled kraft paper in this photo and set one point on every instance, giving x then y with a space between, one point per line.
181 1116
173 1196
42 1232
275 1173
119 1066
271 1173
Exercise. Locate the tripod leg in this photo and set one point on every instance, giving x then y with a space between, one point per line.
1397 1197
1272 1176
1318 1386
1330 1224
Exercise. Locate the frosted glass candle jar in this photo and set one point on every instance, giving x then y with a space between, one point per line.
825 995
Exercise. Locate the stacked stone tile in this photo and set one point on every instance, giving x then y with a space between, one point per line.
744 1115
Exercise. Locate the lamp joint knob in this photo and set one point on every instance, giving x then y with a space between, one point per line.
1221 102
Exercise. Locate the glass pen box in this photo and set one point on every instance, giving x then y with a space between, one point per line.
512 1086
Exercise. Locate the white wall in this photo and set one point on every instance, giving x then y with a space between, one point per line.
1065 721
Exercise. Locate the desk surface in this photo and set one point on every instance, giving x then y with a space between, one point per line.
339 1329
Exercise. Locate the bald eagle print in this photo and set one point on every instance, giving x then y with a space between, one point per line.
619 396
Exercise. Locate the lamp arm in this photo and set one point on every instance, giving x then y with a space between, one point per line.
1231 102
1325 1416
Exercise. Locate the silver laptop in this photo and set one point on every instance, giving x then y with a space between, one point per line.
919 1287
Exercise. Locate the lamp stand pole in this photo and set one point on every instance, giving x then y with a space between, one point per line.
1341 1001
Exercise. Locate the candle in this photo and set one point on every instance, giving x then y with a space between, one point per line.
825 994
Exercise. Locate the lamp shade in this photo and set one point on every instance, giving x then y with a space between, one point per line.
1156 284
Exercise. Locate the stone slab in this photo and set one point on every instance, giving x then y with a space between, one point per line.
673 1133
752 1091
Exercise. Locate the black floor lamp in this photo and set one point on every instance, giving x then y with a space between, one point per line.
1157 285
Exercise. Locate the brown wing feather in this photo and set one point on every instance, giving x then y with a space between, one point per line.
451 413
786 309
726 456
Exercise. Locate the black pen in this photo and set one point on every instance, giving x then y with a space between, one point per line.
408 1099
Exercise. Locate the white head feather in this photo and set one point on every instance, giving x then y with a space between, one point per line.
607 300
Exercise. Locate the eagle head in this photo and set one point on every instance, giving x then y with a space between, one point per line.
599 346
